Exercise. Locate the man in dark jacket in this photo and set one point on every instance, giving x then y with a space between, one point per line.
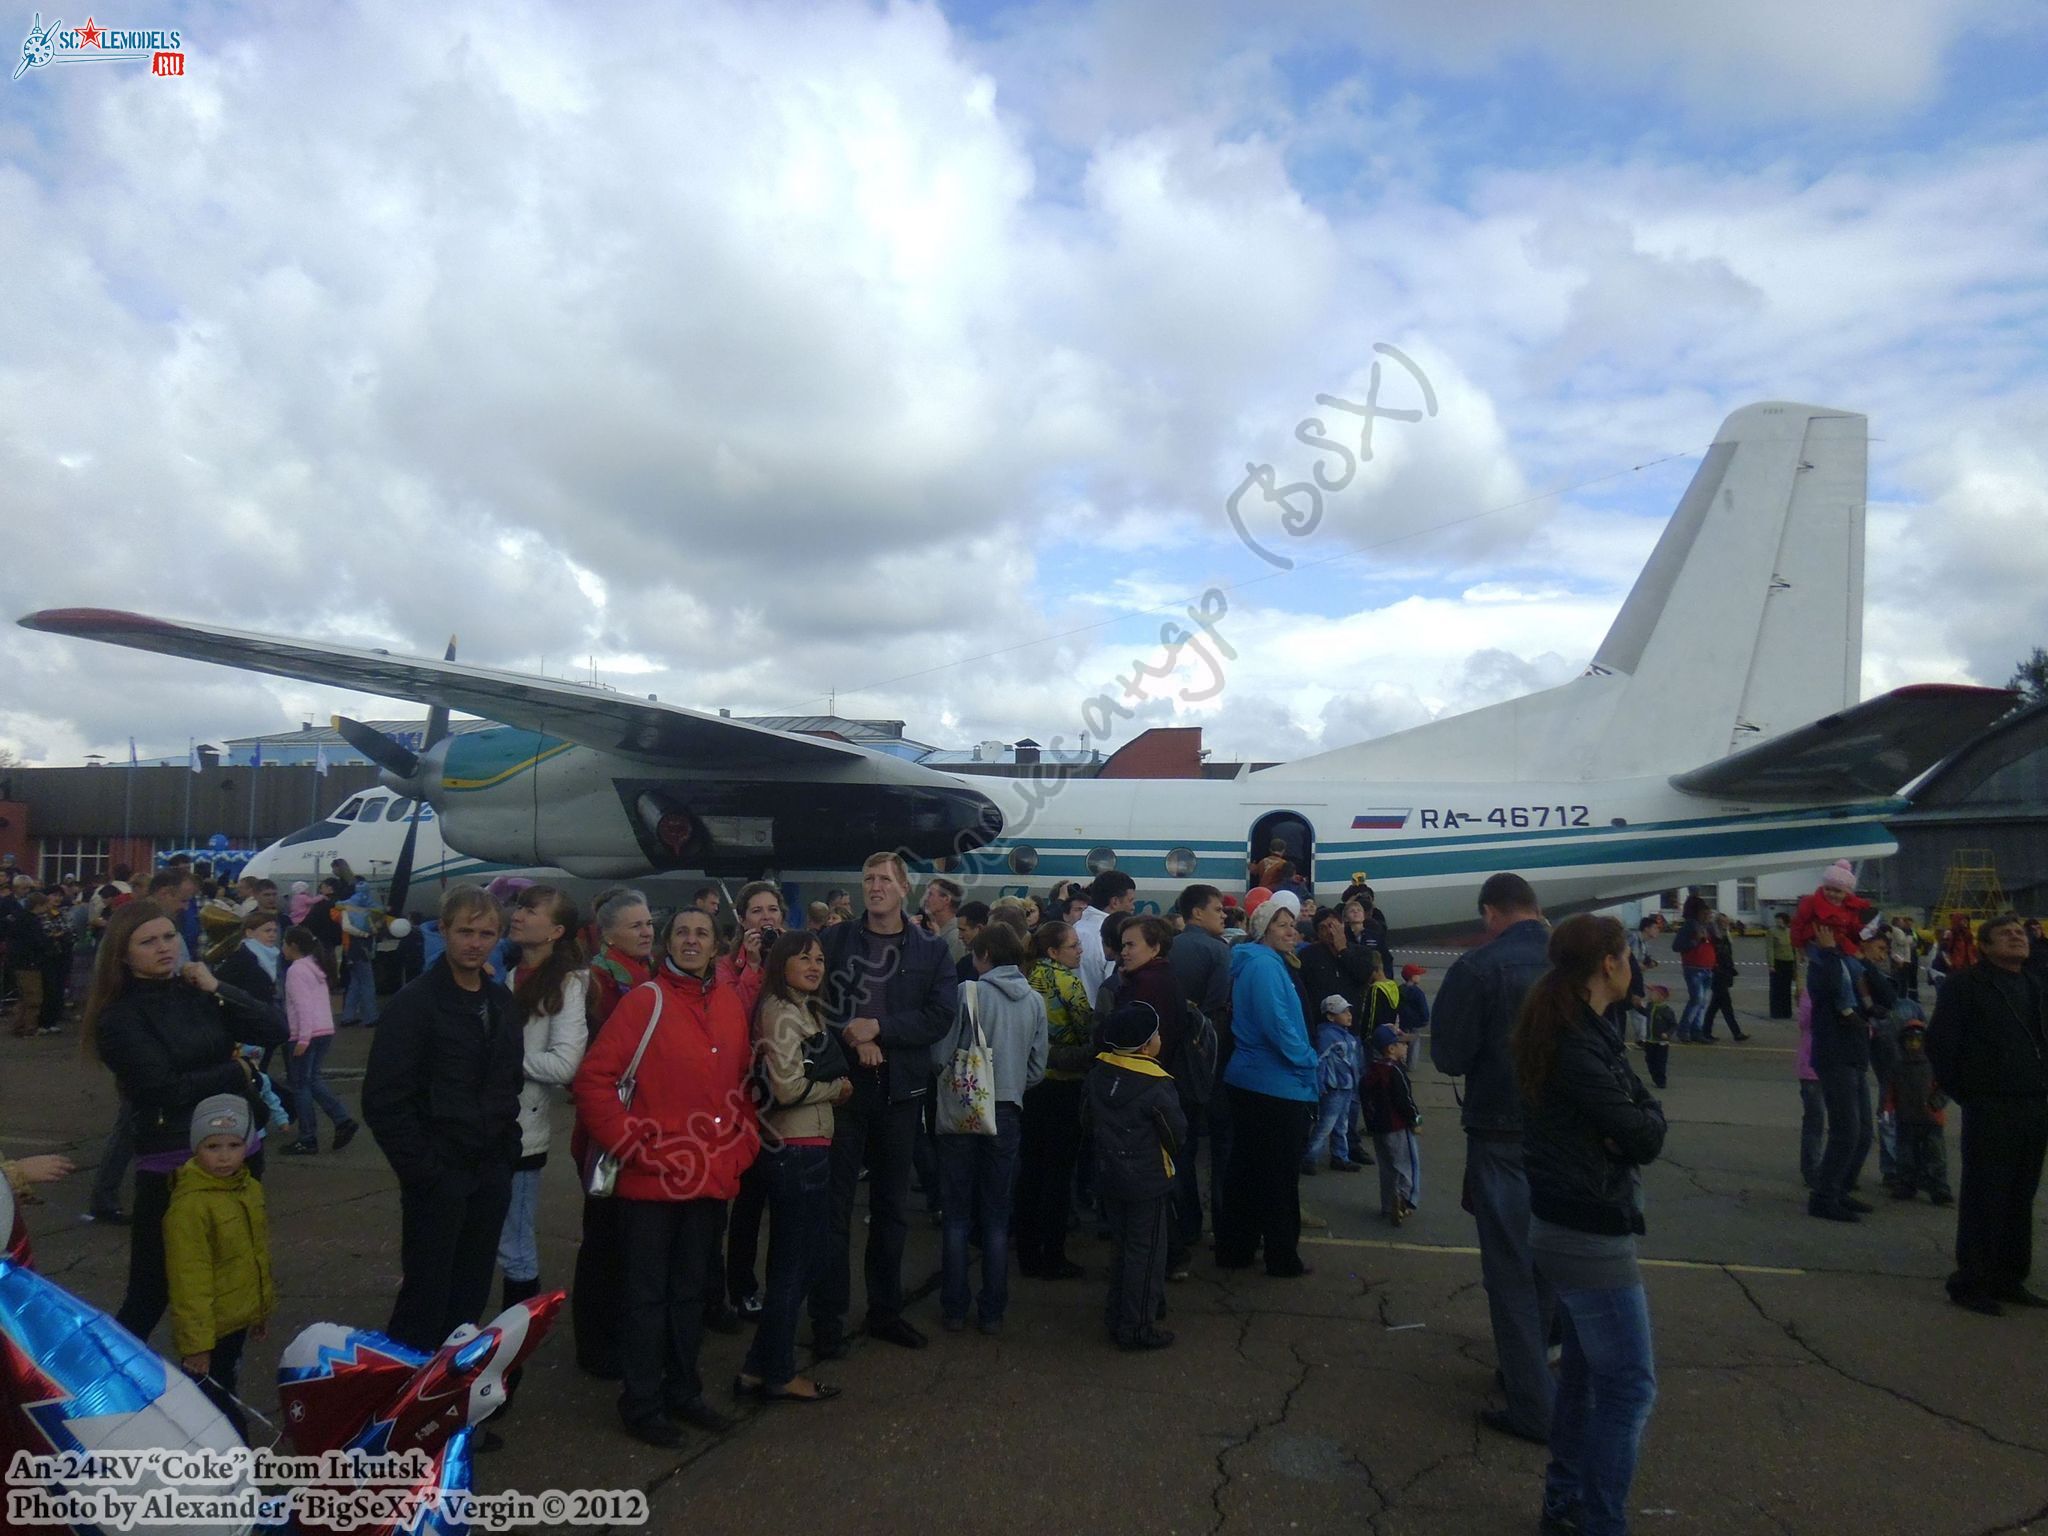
441 1095
1475 1012
1333 965
1201 964
890 991
1989 1046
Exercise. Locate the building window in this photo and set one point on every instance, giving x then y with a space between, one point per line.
1101 860
1745 895
1023 859
1180 862
84 859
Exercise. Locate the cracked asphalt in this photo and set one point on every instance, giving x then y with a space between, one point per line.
1812 1376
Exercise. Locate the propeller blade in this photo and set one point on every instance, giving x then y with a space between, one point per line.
378 748
401 872
437 717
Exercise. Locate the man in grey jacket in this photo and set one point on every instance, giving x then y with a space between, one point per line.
1475 1013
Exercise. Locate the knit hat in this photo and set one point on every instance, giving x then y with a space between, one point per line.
224 1114
1129 1025
1335 1004
1410 972
1386 1035
1262 917
1840 876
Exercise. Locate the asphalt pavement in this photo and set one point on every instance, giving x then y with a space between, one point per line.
1812 1377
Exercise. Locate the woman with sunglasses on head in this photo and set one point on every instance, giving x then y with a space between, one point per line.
804 1072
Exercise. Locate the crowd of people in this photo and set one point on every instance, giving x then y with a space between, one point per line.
1028 1065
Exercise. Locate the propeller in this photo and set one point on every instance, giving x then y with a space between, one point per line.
402 767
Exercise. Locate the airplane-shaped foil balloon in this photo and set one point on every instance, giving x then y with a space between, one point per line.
72 1380
351 1389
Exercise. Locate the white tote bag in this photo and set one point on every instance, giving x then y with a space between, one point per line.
967 1080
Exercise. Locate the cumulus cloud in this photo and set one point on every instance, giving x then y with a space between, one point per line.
843 352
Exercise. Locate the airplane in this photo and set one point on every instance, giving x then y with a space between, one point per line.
1715 733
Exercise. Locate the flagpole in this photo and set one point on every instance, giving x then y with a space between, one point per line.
191 764
128 799
255 778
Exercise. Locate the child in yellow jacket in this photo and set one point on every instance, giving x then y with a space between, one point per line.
217 1253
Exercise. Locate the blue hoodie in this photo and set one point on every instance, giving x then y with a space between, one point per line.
1272 1054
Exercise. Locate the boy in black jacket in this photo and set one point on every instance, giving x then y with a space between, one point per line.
1138 1126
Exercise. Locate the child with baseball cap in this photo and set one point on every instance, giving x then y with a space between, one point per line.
1336 1086
217 1252
1138 1126
1393 1119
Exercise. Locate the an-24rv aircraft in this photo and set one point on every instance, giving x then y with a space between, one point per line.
1716 733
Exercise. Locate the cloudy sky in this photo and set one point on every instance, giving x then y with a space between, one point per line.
751 353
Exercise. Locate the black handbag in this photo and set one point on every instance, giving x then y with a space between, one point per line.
825 1058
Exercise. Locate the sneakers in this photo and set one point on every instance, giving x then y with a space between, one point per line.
1345 1165
108 1218
1311 1223
1830 1210
298 1149
345 1133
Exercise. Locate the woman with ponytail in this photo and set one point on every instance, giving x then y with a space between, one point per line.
1589 1127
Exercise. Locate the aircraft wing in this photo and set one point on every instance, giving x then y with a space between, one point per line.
589 716
1873 748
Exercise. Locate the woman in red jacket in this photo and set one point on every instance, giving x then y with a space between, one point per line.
682 1145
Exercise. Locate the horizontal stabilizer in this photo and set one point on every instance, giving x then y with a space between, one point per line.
1873 748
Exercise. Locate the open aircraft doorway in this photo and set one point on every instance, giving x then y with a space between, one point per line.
1296 840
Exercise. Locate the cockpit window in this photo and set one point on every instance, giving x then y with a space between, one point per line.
348 812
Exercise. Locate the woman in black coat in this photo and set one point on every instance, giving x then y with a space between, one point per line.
1588 1128
170 1035
1722 1003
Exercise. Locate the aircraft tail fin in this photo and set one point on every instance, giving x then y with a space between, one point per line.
1746 622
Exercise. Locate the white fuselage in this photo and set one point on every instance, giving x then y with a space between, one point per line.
1425 848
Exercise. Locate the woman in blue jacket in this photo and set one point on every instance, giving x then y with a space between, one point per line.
1271 1084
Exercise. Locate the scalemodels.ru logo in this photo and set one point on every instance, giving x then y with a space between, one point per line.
94 44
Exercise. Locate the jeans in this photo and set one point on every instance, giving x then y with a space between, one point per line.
448 1242
1333 1121
1606 1385
1400 1159
518 1247
796 1183
1813 1130
115 1157
1262 1184
310 1094
1517 1297
867 1128
1846 1091
670 1252
1699 989
977 1177
359 1001
1048 1145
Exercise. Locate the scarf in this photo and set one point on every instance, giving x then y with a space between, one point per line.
266 955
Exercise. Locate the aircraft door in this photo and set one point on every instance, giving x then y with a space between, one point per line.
1297 840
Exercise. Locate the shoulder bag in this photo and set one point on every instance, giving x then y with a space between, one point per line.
967 1083
601 1168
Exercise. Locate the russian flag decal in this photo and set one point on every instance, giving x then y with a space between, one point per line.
1380 819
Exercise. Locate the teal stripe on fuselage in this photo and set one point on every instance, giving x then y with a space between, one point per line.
1581 847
